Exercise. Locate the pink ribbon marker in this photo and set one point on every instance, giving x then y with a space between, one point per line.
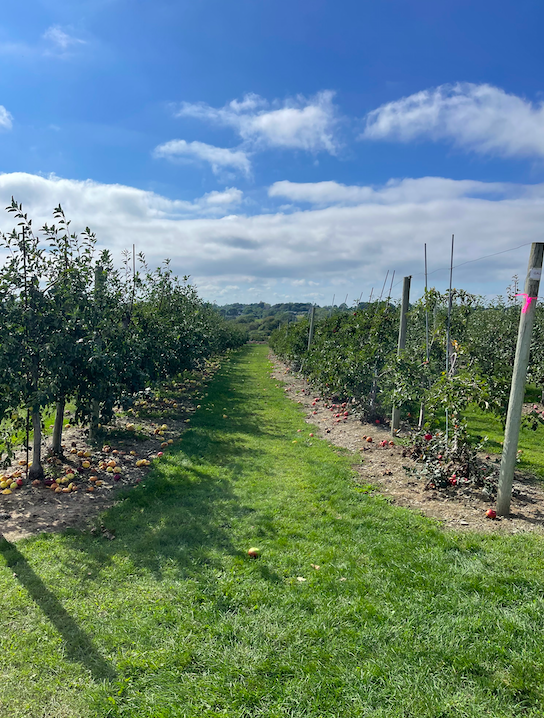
528 301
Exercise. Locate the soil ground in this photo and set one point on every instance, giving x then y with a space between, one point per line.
459 508
35 509
30 510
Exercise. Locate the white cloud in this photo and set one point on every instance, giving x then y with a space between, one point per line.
350 244
298 123
424 189
481 118
221 199
220 158
6 119
61 39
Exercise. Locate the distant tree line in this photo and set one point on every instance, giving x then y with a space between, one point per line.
261 319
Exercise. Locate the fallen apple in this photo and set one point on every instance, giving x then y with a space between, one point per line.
253 552
491 514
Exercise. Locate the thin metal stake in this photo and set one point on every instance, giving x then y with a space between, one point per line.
426 310
449 328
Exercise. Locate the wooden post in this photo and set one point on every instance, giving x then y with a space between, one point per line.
517 390
395 419
311 333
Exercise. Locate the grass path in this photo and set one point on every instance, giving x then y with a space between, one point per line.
173 619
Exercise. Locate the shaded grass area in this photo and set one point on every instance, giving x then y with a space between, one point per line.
172 618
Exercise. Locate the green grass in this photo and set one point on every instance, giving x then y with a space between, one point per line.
531 442
173 619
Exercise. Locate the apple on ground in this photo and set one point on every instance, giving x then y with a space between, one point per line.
253 552
491 514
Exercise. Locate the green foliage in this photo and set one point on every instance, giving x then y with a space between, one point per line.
74 326
354 355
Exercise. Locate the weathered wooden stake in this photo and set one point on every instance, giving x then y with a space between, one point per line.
519 375
311 333
395 419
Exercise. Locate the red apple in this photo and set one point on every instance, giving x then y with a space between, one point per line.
491 514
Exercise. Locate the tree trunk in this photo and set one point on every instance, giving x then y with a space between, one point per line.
36 470
57 429
95 417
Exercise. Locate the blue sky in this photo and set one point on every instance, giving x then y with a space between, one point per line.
282 150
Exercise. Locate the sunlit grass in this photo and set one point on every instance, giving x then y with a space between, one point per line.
173 619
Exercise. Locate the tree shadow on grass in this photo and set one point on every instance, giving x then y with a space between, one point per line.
79 647
176 521
180 518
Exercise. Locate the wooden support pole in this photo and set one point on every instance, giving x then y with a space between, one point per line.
311 332
395 419
519 375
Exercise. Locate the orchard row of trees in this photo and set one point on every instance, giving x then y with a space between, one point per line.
354 354
73 327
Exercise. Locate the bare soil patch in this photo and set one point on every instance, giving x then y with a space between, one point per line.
30 510
457 508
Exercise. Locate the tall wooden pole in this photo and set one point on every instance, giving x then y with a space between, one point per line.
422 407
311 332
395 419
519 375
